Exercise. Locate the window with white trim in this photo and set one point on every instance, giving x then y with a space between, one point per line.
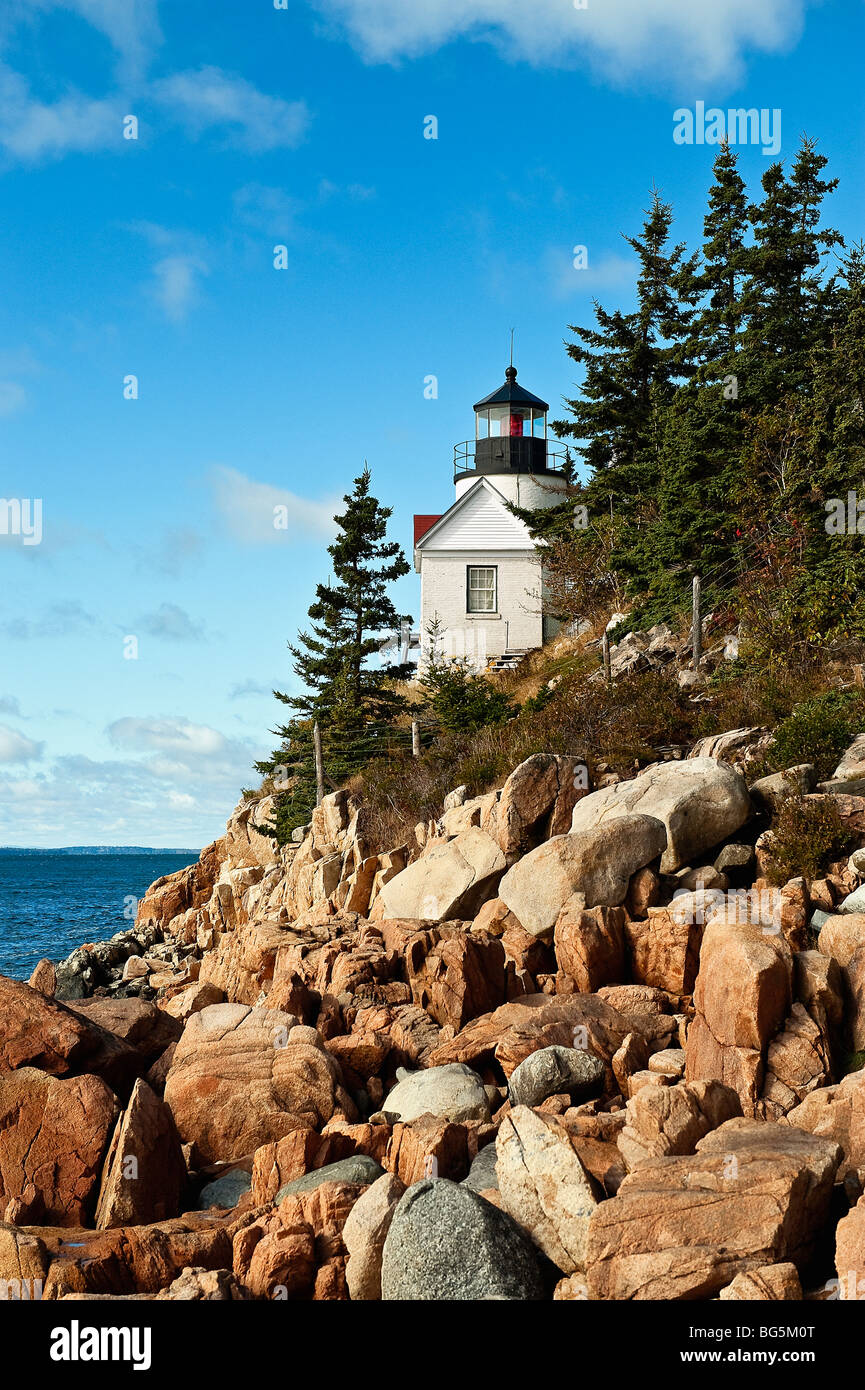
481 589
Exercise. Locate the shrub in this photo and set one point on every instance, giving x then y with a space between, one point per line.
622 724
818 731
460 698
854 1061
806 836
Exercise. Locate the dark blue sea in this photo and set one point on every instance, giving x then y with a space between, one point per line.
50 903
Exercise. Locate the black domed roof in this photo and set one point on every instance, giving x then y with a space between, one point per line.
511 394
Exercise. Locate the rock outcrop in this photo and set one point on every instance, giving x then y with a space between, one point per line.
700 802
557 1043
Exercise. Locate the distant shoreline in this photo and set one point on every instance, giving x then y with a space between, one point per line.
94 849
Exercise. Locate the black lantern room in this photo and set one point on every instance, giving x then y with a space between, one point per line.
510 433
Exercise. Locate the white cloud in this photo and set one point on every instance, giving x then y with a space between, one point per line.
176 284
131 26
142 798
187 741
181 799
250 509
621 37
178 270
606 272
32 130
209 98
15 748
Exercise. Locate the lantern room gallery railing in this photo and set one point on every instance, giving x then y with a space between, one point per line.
464 457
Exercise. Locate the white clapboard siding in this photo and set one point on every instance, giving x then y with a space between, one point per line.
479 521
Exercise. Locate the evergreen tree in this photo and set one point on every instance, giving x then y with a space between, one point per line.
353 702
715 415
633 364
718 284
459 697
784 293
699 489
631 361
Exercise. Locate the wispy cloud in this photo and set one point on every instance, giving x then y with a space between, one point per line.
130 26
208 99
32 130
181 264
255 512
245 689
620 37
172 623
15 748
59 620
176 284
170 553
266 208
606 271
175 735
169 772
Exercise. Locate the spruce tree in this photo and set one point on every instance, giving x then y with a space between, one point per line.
354 703
631 361
699 482
633 364
718 282
784 293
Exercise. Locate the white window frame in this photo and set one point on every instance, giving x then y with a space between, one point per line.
477 589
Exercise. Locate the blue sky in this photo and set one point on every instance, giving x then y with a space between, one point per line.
406 257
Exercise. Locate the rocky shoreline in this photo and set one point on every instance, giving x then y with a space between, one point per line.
566 1042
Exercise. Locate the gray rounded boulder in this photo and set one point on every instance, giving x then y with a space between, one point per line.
447 1243
554 1070
453 1092
359 1168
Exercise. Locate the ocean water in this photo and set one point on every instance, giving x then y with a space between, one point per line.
50 903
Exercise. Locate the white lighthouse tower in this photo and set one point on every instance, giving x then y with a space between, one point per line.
481 572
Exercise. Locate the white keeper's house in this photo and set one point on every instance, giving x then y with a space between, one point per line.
481 572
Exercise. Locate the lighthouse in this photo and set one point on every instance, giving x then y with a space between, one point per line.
481 572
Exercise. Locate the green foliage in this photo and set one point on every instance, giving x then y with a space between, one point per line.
354 703
818 731
853 1061
713 425
456 695
717 420
535 703
806 836
621 724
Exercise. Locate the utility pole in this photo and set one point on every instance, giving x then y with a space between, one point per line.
319 764
697 628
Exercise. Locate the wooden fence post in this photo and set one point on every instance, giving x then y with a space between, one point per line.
319 764
697 628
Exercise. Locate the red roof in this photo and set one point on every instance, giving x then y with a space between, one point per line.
422 524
